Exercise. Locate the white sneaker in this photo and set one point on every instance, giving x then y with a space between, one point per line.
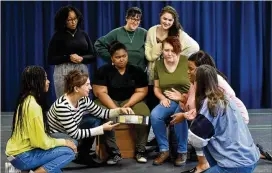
141 158
9 168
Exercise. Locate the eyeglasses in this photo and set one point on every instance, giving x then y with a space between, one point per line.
135 20
72 20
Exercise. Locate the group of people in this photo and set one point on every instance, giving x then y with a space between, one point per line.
159 73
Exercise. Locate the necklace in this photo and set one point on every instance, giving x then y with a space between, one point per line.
131 39
72 34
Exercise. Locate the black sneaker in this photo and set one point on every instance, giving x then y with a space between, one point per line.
264 153
114 160
88 160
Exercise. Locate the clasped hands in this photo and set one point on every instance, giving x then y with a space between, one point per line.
75 58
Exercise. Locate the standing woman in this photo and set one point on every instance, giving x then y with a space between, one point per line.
70 47
29 147
131 35
169 26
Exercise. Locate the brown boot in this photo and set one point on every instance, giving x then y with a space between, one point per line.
181 159
161 158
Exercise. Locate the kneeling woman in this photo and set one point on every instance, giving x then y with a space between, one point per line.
219 127
30 148
75 114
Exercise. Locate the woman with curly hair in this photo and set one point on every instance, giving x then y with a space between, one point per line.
70 47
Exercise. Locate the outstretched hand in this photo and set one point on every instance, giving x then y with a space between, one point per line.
177 118
190 115
173 95
108 126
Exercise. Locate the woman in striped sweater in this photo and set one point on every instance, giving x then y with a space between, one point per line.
75 114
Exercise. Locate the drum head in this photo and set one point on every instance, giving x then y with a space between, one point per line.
132 119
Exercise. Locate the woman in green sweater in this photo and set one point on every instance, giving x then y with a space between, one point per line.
29 147
131 35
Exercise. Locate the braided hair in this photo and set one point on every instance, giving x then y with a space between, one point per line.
33 81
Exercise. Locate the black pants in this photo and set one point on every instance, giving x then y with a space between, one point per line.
87 122
110 142
151 100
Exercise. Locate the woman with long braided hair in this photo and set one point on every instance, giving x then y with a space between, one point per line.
29 147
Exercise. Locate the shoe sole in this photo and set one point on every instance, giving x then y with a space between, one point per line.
179 165
114 163
141 161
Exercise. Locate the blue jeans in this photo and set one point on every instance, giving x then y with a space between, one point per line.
214 168
51 160
159 116
88 121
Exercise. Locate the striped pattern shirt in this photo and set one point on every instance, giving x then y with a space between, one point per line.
64 118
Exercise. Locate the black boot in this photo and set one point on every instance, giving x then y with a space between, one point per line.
264 153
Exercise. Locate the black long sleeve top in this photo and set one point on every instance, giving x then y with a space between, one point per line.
64 43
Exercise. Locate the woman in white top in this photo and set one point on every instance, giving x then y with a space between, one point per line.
169 26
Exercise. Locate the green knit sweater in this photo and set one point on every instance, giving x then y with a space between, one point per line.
134 42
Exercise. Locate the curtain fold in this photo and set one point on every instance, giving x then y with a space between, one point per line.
237 34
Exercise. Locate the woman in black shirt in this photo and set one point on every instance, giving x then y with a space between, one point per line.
70 47
122 85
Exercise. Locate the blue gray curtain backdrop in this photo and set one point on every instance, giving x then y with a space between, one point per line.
236 34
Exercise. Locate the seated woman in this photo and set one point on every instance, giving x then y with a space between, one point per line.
78 116
123 85
194 61
170 81
30 147
220 128
169 26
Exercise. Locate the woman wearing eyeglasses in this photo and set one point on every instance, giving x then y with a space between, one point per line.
131 35
70 47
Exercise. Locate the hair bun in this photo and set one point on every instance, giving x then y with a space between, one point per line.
73 73
115 42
